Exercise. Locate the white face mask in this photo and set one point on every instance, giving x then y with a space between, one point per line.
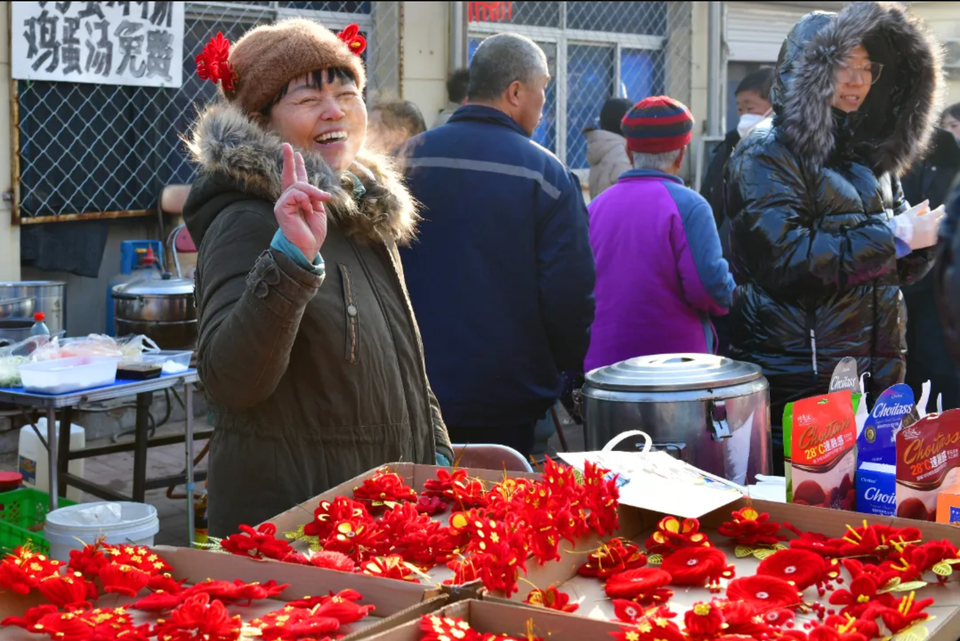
748 122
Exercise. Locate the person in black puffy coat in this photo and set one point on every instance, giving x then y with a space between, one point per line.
821 236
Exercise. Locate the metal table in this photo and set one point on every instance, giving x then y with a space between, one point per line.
60 454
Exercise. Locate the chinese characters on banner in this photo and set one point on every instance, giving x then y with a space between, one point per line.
109 43
489 11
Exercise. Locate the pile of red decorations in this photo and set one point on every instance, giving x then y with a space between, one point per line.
195 613
887 565
388 530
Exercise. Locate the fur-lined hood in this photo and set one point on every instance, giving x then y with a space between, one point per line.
901 108
236 155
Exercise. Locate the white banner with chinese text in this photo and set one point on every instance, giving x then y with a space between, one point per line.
109 43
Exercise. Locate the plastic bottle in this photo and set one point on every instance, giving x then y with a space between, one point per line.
39 327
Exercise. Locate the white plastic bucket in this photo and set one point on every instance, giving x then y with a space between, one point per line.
138 525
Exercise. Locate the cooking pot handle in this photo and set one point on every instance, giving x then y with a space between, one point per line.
647 442
717 420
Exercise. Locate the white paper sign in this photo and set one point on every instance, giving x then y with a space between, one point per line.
656 481
107 43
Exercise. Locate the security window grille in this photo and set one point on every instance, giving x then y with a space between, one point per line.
95 149
596 50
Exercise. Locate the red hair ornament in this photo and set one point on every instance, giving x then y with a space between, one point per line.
704 620
764 593
214 64
673 534
617 555
802 568
71 592
752 530
643 585
384 488
199 618
551 599
351 36
698 567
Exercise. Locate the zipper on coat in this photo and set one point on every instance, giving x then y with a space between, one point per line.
351 314
811 327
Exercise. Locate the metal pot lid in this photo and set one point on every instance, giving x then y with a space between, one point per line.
166 286
673 373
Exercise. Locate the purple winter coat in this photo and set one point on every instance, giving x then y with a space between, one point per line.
660 270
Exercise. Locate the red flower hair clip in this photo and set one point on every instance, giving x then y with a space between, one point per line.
351 36
390 567
751 528
764 592
198 617
68 592
214 64
704 620
260 543
123 579
551 599
673 534
698 567
329 513
643 585
802 568
615 556
384 489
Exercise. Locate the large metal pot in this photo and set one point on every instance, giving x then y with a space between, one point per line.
161 309
48 296
709 411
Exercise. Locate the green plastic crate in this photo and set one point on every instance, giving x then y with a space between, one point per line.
21 510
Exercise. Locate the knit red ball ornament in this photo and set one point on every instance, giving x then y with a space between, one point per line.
698 567
644 585
802 568
764 592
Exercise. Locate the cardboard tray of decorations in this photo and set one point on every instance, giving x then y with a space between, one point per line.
137 586
293 525
458 620
769 551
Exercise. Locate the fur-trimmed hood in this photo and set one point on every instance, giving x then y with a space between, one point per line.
238 160
899 113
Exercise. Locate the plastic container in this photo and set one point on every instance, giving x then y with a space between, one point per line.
22 513
138 525
172 361
10 481
64 375
34 460
39 327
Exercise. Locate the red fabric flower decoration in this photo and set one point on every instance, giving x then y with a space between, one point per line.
260 543
88 561
431 505
905 613
673 534
30 618
800 567
651 628
291 624
15 579
764 592
123 579
343 609
697 567
464 571
197 617
329 513
626 610
552 599
742 619
601 497
71 592
351 36
331 561
435 628
214 64
613 557
704 620
440 486
384 487
751 528
389 567
862 593
879 541
645 585
816 543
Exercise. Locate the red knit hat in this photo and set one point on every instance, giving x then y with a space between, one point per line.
656 125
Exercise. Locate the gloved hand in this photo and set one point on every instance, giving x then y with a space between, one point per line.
442 460
918 226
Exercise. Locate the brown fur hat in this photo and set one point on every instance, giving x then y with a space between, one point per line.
267 57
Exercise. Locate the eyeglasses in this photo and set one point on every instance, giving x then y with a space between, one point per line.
868 73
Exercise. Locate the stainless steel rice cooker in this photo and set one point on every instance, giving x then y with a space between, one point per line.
161 309
709 411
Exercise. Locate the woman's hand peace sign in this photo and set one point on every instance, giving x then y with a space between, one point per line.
299 210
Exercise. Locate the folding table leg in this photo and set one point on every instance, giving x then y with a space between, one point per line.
188 439
53 461
66 416
140 447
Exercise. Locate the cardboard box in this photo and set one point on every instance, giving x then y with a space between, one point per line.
877 489
395 603
638 524
507 618
948 506
542 576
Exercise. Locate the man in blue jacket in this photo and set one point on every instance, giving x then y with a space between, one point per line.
501 276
